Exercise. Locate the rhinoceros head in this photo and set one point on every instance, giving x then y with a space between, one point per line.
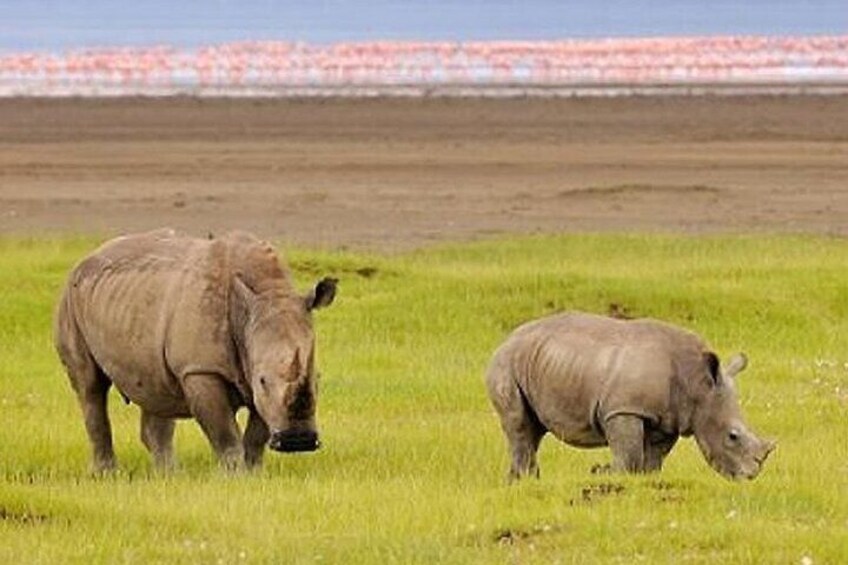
279 343
727 443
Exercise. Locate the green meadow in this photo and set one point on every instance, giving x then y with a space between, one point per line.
413 463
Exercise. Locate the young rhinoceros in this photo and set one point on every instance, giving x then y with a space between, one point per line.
186 327
635 385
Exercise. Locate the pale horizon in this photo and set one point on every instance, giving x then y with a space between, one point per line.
55 25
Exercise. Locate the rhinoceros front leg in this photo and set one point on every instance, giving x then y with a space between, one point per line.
209 402
256 435
626 437
157 434
656 450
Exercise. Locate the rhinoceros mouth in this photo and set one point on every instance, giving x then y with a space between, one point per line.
741 473
294 441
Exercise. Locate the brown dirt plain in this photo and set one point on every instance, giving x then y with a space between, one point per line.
391 174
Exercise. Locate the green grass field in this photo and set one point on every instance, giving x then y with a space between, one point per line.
413 465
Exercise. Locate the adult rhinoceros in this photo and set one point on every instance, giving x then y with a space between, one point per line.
186 327
635 385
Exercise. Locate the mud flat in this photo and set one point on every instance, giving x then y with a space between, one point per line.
394 173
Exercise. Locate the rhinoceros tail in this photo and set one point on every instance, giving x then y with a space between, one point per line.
66 334
529 411
71 346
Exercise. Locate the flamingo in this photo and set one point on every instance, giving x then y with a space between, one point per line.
389 62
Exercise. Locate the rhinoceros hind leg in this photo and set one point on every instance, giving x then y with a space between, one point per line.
92 388
90 384
256 435
93 399
519 423
209 402
157 434
626 437
523 446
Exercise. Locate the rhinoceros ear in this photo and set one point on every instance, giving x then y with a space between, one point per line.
735 365
322 295
713 367
243 293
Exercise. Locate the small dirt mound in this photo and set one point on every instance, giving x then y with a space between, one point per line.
366 272
619 312
23 518
511 536
591 492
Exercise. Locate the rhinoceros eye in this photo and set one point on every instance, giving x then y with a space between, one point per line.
733 435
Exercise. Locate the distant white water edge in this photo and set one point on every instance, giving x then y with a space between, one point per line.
439 91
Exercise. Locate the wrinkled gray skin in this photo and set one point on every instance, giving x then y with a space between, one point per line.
635 385
192 328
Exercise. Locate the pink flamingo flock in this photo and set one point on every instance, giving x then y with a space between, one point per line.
272 65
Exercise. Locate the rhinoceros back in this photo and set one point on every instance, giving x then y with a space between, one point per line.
578 369
151 307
